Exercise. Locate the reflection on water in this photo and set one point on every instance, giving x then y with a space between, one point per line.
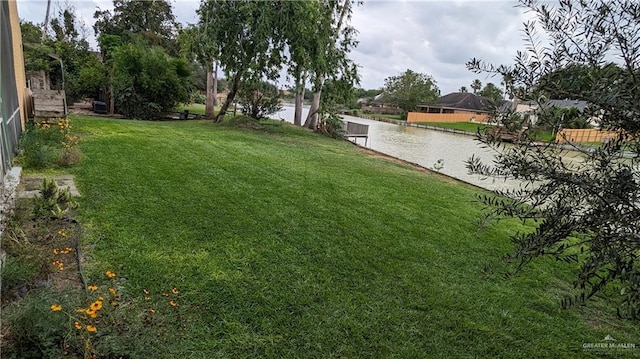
427 147
424 147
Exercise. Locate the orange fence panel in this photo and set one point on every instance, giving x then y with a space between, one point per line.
584 135
446 117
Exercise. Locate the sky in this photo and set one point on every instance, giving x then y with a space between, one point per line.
436 38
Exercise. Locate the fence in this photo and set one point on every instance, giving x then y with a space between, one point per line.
446 117
584 135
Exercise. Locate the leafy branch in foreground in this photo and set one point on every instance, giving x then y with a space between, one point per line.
586 208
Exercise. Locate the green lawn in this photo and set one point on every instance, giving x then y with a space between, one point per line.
196 108
383 115
463 126
285 244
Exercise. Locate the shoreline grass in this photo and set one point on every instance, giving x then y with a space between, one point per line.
286 244
463 126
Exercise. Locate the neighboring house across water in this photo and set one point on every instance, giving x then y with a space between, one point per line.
531 108
454 107
378 105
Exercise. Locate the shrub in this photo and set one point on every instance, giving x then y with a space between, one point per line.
147 82
48 143
54 201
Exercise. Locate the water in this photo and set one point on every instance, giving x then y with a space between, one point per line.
425 147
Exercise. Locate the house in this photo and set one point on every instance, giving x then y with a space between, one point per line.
378 105
454 107
531 108
14 97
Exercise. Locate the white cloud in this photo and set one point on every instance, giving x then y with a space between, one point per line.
433 37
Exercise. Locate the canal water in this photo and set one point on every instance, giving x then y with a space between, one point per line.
441 151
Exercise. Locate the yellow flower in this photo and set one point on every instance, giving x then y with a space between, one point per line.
145 291
77 325
146 297
80 310
91 328
173 303
100 298
92 313
152 311
92 287
97 305
56 307
110 274
62 233
112 291
56 251
175 291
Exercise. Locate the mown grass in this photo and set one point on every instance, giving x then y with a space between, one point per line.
384 115
285 244
197 108
463 126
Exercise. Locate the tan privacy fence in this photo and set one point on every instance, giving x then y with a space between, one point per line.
446 117
584 135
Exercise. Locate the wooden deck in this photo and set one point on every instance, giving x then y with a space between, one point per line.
356 130
49 103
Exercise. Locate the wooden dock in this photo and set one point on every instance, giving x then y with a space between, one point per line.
356 130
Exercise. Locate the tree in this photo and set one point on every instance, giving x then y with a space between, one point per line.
259 99
249 46
66 42
194 45
476 85
147 82
463 89
299 37
410 89
334 40
151 22
492 92
586 214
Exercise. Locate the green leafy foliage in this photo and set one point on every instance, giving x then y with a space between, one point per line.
16 273
410 89
53 201
147 83
584 213
65 42
35 333
492 92
259 99
149 22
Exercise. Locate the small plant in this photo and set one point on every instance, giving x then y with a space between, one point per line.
101 322
438 165
70 153
53 201
48 143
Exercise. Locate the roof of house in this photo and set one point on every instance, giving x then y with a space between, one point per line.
566 103
379 98
463 101
580 105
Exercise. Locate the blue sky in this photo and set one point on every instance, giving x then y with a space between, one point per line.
432 37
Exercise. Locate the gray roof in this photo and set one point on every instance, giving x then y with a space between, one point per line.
566 103
580 105
463 101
